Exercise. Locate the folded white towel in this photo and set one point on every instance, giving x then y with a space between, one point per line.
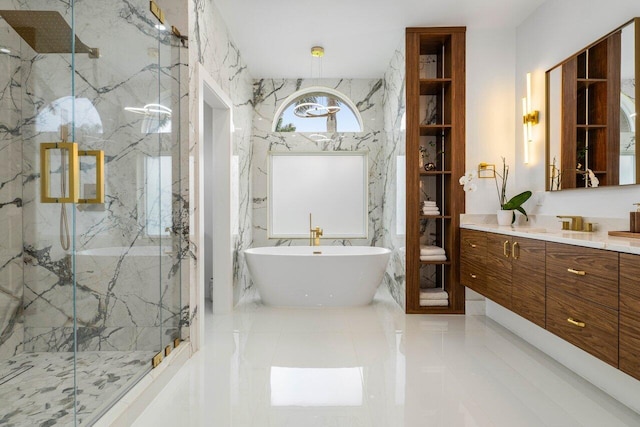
429 203
432 213
434 293
433 257
433 303
431 250
430 210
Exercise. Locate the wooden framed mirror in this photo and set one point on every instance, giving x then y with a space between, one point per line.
591 117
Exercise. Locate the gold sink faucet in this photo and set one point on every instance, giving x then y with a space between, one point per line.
315 234
576 223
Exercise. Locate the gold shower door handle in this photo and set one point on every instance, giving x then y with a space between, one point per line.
45 172
99 155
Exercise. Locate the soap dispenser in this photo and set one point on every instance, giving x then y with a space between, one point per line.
634 220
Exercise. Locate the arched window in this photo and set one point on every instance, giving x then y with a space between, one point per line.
317 109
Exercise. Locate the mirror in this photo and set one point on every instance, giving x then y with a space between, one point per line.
331 185
591 114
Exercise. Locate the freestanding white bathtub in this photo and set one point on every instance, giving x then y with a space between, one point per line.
339 276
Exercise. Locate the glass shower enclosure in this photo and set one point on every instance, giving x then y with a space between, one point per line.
90 214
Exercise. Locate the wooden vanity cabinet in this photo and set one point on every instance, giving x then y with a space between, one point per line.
582 298
473 248
630 314
528 290
498 267
507 270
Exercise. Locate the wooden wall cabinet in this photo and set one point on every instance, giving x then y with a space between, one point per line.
591 130
435 91
630 314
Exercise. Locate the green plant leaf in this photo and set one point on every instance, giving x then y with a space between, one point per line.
516 201
522 211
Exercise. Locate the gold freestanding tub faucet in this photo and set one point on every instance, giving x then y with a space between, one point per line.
314 234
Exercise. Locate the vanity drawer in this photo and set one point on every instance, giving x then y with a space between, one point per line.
473 247
596 331
630 314
589 273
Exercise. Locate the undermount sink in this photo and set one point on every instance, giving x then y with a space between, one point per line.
534 230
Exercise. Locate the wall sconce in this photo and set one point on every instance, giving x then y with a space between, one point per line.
529 118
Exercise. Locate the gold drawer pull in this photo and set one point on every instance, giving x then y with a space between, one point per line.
472 245
578 272
473 276
515 254
577 323
505 247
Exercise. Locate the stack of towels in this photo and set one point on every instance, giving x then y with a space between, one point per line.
430 208
434 297
432 253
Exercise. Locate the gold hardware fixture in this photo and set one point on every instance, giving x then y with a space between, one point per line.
486 170
576 222
315 234
45 171
317 253
578 272
176 342
157 12
505 247
167 350
565 225
99 155
515 254
155 361
576 322
317 51
588 226
473 276
472 245
529 118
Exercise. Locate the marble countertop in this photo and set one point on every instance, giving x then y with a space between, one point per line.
597 240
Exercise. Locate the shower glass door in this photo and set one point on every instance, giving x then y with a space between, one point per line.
89 205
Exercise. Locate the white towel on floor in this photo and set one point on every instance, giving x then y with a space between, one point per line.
433 257
434 303
434 294
426 250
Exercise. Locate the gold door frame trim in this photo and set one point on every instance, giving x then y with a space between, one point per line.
73 171
99 155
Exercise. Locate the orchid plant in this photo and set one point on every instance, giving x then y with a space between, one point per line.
515 203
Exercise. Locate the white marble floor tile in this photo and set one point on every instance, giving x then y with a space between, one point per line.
374 366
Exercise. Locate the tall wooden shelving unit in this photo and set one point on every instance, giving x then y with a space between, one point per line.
590 130
435 85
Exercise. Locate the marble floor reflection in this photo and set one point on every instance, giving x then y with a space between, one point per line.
373 366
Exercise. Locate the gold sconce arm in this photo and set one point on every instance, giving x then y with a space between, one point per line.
73 166
99 155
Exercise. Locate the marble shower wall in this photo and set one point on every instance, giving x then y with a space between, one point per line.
367 95
211 46
11 282
128 277
394 104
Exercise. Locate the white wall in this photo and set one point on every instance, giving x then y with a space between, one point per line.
555 31
490 109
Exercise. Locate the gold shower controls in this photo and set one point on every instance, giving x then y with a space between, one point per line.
68 162
99 155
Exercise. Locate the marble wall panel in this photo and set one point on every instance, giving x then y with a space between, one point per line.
393 201
367 95
211 46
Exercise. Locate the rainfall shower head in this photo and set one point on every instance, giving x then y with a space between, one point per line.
45 31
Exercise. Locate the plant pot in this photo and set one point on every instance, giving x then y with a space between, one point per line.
505 217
